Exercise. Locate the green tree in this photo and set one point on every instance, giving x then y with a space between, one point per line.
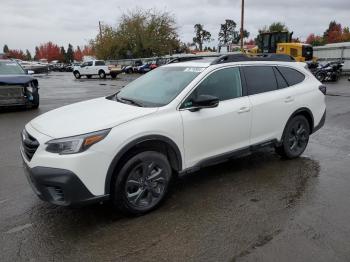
63 55
238 38
278 27
69 54
141 33
6 49
37 53
28 55
201 36
228 33
274 27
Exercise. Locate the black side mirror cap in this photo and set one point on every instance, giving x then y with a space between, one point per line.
204 101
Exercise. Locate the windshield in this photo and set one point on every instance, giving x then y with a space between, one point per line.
10 68
158 87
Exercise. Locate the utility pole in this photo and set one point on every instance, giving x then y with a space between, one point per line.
100 27
242 24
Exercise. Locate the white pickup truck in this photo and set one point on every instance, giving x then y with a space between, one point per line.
90 68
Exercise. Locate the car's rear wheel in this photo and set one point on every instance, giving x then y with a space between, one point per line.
295 138
102 74
113 75
77 75
142 183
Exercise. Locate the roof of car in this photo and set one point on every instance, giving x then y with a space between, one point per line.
236 58
203 63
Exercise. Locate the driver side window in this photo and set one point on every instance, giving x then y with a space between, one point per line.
224 84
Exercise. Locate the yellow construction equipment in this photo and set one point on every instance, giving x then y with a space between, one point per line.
281 43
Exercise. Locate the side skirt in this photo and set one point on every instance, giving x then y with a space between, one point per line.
228 156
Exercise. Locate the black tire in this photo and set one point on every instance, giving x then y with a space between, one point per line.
102 74
77 75
36 100
321 76
142 183
113 75
295 138
88 76
129 71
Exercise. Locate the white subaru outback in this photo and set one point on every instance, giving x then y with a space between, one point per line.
176 119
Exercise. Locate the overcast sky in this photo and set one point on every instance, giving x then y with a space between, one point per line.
27 23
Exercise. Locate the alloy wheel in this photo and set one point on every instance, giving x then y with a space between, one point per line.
145 185
298 137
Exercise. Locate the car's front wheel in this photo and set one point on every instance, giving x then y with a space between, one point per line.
36 100
295 138
142 183
77 75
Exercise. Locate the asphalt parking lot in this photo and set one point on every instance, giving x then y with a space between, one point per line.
254 208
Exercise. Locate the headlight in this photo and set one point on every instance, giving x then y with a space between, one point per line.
75 144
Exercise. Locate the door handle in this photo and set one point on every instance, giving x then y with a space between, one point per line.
244 109
288 99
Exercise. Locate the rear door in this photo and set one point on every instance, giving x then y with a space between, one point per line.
214 131
271 99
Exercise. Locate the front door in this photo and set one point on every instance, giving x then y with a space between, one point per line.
215 131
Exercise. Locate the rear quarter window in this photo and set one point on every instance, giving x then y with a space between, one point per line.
99 63
291 75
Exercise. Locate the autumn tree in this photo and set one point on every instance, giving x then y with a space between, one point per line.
16 54
6 49
28 55
201 36
314 40
49 51
334 33
78 55
88 51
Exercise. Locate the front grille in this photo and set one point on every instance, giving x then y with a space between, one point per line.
29 145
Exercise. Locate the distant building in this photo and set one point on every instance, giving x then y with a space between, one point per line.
334 52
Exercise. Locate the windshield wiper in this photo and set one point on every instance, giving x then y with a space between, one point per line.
128 100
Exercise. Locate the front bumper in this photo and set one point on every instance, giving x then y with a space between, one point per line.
59 186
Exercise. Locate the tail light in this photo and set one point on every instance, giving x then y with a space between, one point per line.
323 89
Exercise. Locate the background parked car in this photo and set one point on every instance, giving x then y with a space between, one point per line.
17 88
90 68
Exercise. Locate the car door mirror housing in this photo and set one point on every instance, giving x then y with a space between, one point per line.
204 101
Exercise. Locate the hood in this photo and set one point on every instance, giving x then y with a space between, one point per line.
88 116
15 79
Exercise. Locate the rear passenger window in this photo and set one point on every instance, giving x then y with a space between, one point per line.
281 82
260 79
99 63
292 76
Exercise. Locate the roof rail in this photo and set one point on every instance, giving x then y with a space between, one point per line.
184 59
257 57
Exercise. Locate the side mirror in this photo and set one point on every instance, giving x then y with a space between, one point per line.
204 101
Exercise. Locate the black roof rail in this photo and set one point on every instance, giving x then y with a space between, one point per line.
257 57
184 59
